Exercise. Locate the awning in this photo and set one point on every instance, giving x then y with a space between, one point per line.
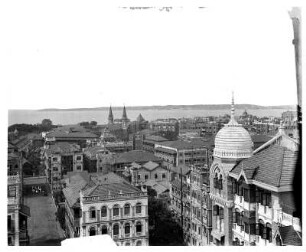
25 210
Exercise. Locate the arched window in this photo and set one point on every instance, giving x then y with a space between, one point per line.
127 244
92 231
104 229
116 210
220 183
138 208
92 213
103 211
138 243
116 229
216 181
138 227
127 228
126 209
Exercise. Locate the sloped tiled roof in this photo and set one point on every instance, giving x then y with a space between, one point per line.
154 138
138 156
111 189
150 165
290 236
274 166
62 147
71 192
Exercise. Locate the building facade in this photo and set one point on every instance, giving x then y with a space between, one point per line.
107 205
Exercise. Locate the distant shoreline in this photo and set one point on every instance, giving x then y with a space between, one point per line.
167 107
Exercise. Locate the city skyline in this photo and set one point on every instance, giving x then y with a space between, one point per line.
142 56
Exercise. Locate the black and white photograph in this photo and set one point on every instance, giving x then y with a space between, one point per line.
152 123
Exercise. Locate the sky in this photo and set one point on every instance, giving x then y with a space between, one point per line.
95 54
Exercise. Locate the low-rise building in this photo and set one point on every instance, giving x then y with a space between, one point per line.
106 204
150 171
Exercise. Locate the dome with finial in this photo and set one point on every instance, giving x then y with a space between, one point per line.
233 141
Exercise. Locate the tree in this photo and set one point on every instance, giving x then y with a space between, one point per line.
93 123
164 230
46 123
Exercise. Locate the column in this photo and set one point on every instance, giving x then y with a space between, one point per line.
228 223
16 241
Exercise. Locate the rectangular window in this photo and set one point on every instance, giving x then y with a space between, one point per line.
138 177
155 175
79 167
55 169
11 191
79 158
146 177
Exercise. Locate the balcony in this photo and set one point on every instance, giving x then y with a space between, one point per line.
265 211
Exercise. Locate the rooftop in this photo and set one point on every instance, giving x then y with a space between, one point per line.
182 145
273 166
62 148
95 184
290 236
138 156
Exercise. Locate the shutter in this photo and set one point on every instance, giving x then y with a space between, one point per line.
234 217
221 213
252 229
269 199
215 210
257 196
247 228
264 233
252 195
246 195
220 184
264 199
215 182
240 190
257 229
270 235
234 187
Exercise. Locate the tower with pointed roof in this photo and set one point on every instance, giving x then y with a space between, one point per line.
124 118
110 116
232 144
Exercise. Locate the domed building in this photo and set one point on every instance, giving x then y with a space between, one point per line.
232 144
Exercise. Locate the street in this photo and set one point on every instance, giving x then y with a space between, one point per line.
43 228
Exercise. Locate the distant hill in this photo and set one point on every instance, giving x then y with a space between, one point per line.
167 107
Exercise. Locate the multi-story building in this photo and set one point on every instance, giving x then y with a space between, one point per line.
182 153
17 212
97 159
106 204
252 192
61 158
150 141
201 211
232 144
70 134
180 205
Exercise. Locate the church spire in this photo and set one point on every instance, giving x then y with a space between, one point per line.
124 116
110 116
